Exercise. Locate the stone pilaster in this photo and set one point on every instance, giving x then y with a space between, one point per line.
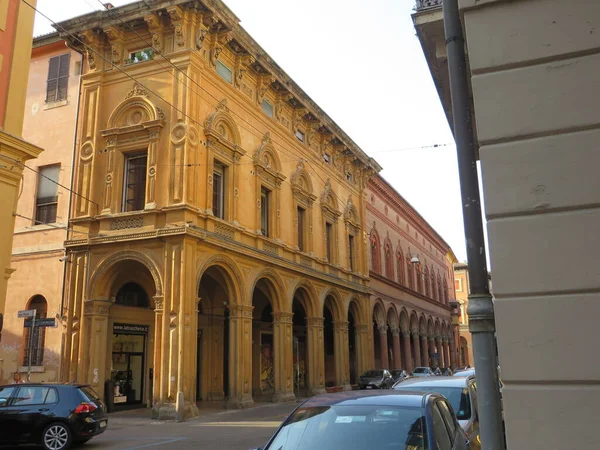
424 351
440 350
96 343
341 354
158 393
383 346
417 342
316 355
240 356
283 357
363 349
431 341
407 351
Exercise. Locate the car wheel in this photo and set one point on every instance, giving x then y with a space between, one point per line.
56 436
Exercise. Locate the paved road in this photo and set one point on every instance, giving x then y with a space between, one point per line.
214 429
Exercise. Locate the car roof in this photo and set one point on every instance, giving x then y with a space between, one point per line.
435 381
369 398
76 385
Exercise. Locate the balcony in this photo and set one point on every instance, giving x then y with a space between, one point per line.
426 4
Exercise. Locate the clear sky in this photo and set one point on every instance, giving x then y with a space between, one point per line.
361 62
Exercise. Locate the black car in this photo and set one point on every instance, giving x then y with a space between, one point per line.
376 379
51 415
360 420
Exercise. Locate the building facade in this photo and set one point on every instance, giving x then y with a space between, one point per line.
42 211
533 72
411 281
218 241
461 287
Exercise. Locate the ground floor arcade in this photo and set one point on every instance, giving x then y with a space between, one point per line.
183 319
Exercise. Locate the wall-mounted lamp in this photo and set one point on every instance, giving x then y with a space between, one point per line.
415 260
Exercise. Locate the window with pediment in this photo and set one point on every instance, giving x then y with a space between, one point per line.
268 180
302 190
222 164
353 227
375 246
330 213
410 272
426 281
389 259
401 270
419 278
440 294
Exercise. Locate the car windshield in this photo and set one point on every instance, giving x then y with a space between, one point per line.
421 370
89 394
353 427
373 373
457 396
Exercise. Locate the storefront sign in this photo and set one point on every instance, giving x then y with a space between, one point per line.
123 328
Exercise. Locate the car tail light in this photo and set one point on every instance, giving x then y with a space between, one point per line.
85 407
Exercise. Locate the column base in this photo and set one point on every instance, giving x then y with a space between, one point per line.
168 411
347 387
318 391
239 403
283 397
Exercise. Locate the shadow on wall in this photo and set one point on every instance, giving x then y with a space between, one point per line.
11 360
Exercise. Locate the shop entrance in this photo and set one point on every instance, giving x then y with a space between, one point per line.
129 343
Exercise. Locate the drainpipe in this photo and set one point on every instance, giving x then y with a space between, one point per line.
481 307
67 259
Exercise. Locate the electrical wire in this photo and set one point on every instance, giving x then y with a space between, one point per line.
52 225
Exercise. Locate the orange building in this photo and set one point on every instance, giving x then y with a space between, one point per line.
461 286
411 281
43 210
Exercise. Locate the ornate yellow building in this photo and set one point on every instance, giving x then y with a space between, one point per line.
218 240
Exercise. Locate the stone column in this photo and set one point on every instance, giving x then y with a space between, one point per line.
396 348
424 351
363 355
383 345
440 351
341 354
316 355
417 341
158 382
240 357
96 343
283 357
452 349
407 351
431 349
445 350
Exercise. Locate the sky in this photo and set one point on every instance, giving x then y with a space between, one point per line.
362 63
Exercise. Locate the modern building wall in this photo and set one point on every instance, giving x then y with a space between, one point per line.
412 324
40 232
533 65
230 255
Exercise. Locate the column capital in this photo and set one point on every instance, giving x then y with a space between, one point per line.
415 333
241 311
97 307
159 302
406 333
395 330
430 337
444 338
314 322
283 317
362 329
382 329
340 325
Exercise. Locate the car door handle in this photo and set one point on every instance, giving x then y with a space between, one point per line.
44 409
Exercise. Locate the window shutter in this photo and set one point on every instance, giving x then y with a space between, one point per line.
63 77
53 68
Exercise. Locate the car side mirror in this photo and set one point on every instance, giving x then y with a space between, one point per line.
3 401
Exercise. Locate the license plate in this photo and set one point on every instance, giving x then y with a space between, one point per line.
103 424
369 387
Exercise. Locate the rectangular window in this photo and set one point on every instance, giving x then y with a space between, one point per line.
219 191
300 135
46 201
458 285
326 158
267 108
58 78
351 252
301 216
146 54
329 240
265 197
134 192
224 72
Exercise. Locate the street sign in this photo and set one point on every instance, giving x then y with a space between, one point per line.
25 313
51 322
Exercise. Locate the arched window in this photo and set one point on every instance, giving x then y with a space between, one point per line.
375 256
401 273
132 294
433 285
37 336
410 273
389 261
440 294
426 281
445 292
419 278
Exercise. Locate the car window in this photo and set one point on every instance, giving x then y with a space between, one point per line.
448 418
31 395
5 393
474 394
51 396
441 440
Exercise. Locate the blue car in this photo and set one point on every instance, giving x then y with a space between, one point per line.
361 420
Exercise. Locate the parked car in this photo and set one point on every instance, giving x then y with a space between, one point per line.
447 372
54 416
461 392
376 379
398 374
371 420
422 372
468 372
